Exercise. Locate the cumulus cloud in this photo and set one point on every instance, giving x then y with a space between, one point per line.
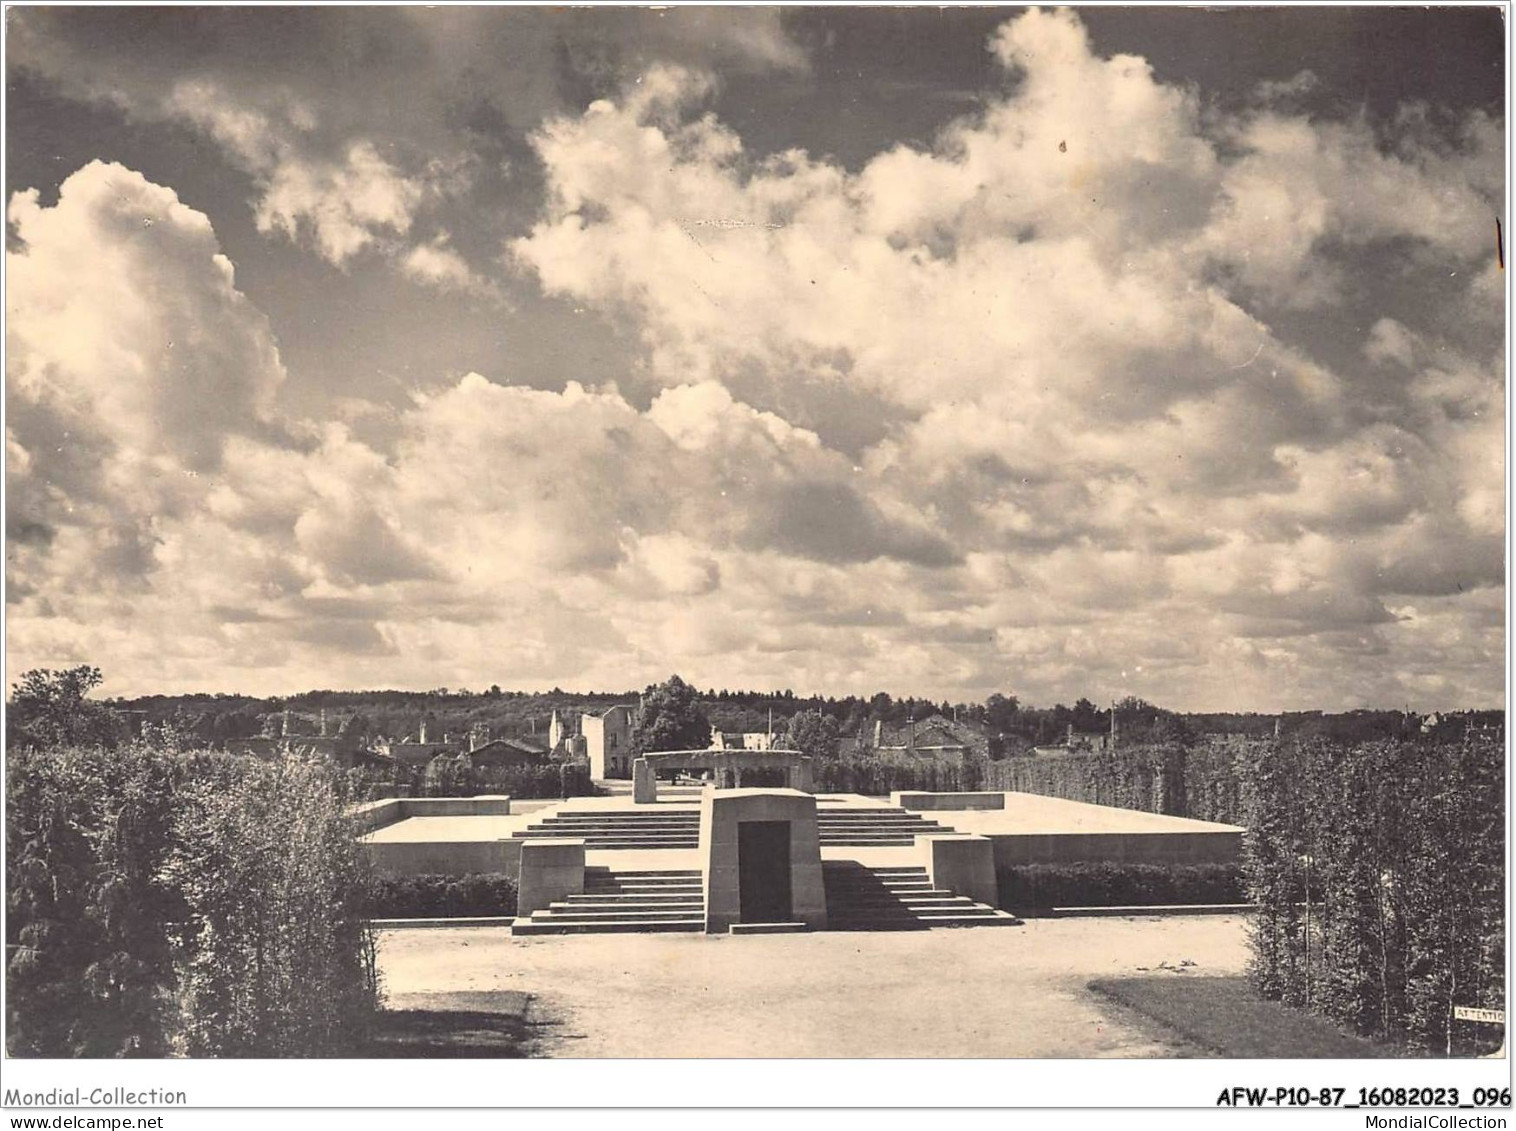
1070 311
353 123
1062 402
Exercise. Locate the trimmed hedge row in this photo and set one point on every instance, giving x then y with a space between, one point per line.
1200 781
442 897
876 775
1379 873
1119 885
455 776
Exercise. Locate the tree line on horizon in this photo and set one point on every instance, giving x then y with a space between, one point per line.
1007 724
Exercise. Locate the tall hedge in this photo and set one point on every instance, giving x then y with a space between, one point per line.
1179 779
876 774
1378 871
90 970
277 957
454 775
162 901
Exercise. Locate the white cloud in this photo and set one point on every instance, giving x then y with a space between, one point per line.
1101 431
437 264
343 203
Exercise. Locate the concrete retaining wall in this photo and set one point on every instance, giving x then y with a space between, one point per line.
936 802
443 857
1220 847
373 815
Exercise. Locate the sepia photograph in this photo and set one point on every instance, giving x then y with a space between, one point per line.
694 534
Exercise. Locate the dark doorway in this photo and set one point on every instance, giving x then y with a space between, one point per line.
763 871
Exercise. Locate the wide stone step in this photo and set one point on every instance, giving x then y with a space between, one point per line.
986 917
640 899
871 819
853 818
861 842
611 823
627 906
611 845
624 815
618 834
602 837
898 898
608 927
597 870
880 822
945 899
618 916
616 824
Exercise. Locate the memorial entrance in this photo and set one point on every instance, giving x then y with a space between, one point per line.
763 871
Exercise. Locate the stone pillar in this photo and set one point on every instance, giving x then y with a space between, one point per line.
644 782
803 775
961 864
551 868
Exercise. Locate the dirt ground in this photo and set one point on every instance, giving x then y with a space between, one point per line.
985 992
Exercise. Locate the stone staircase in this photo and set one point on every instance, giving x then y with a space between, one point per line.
661 827
623 902
669 826
859 898
883 826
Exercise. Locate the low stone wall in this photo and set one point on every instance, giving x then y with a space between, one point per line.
935 802
482 806
373 815
443 857
435 857
1219 847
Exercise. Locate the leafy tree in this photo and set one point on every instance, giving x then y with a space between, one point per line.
49 708
1000 712
814 734
671 719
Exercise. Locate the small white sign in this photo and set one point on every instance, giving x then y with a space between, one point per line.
1469 1013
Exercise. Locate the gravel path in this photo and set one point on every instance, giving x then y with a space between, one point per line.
987 992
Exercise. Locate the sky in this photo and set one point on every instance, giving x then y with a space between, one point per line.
1049 352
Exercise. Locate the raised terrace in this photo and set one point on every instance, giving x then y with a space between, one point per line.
750 860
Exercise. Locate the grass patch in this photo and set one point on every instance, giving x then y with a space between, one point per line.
1225 1017
458 1025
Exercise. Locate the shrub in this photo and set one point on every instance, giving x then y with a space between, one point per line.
277 957
1030 886
442 897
